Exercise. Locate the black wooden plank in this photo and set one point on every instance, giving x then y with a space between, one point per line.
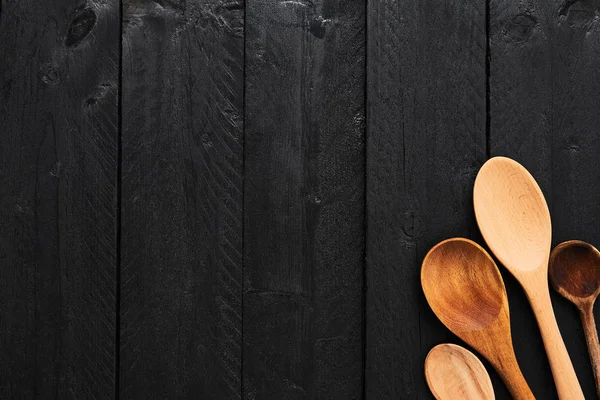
544 112
181 199
426 139
304 199
58 198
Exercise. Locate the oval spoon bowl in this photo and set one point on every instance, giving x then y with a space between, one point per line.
447 271
512 215
575 271
454 373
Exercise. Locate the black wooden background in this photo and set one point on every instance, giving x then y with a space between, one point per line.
214 199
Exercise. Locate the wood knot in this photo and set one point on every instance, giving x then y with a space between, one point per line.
55 171
50 75
82 24
206 141
520 27
573 145
101 91
318 26
412 225
579 14
359 120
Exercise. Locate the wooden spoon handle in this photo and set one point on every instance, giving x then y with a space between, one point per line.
565 379
509 371
591 337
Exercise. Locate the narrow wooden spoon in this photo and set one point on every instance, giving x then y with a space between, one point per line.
465 290
575 274
454 373
515 222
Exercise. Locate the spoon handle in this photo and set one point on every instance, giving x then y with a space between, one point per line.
565 379
591 337
513 378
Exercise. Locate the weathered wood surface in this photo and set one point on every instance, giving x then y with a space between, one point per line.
181 283
244 231
58 198
426 139
544 102
304 200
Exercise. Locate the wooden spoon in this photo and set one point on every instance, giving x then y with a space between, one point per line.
575 274
465 290
454 373
515 222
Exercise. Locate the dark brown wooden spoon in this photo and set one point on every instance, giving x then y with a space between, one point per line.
575 274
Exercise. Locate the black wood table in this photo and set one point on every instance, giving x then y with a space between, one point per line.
221 200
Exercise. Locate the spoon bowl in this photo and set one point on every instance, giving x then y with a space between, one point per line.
513 215
575 271
463 300
465 290
454 373
575 274
514 220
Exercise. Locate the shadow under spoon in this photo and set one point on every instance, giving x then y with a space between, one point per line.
575 273
465 290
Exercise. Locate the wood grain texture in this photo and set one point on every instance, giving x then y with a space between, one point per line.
304 199
544 85
514 220
464 288
182 199
58 203
426 125
574 271
454 373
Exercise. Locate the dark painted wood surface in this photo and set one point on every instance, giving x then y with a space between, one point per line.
181 248
58 198
426 140
544 112
232 200
304 200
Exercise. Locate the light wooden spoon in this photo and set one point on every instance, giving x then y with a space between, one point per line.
575 274
465 290
515 222
454 373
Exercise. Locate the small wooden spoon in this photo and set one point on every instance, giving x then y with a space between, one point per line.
465 290
454 373
575 274
515 222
